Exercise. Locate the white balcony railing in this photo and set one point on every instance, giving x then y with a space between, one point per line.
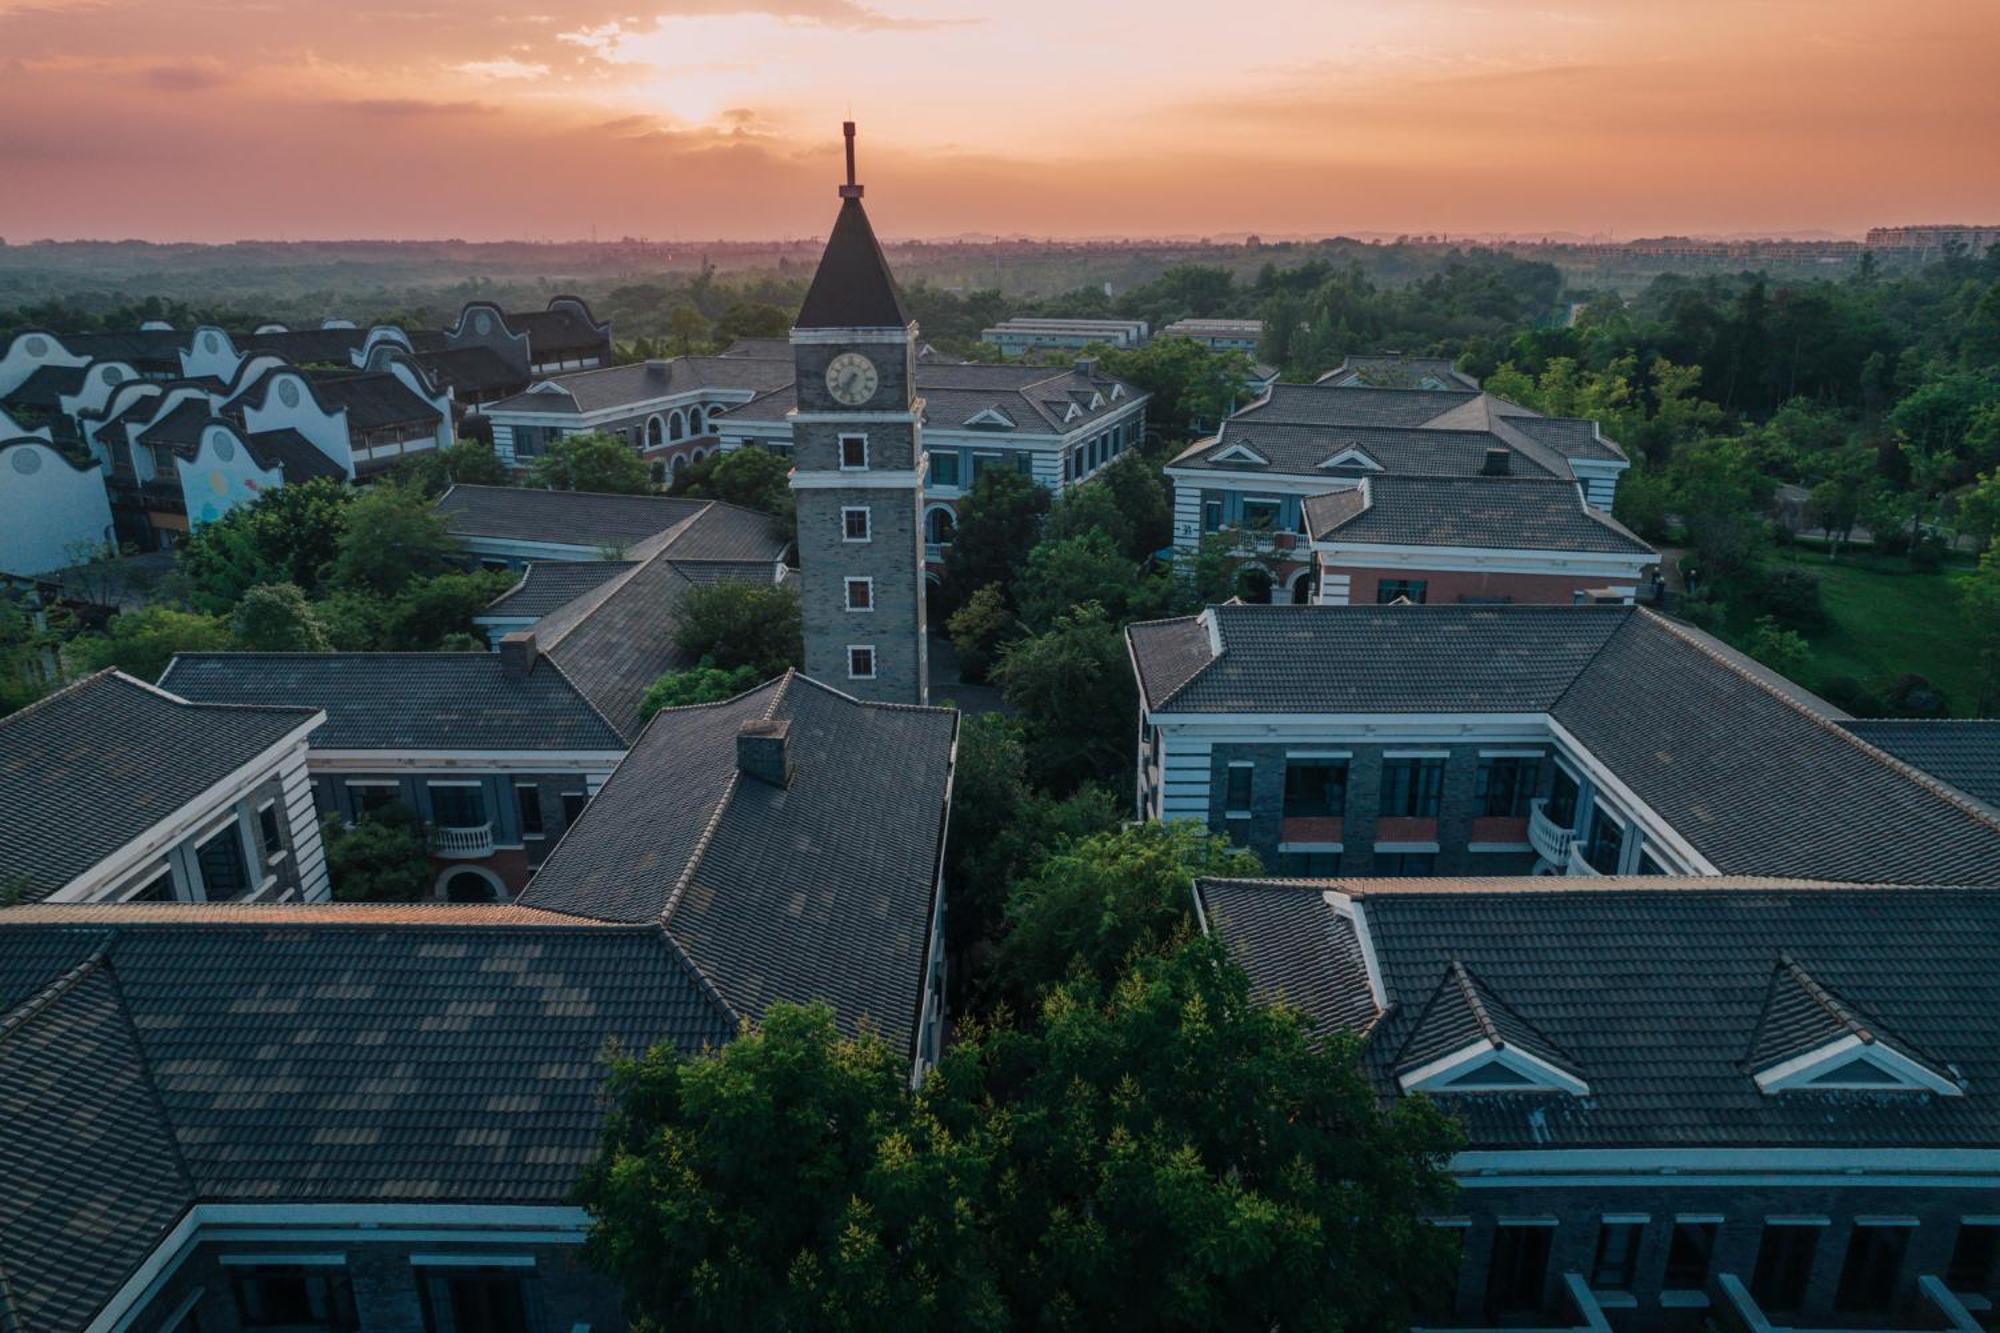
1579 865
463 844
1550 840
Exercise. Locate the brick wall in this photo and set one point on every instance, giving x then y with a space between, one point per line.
1448 586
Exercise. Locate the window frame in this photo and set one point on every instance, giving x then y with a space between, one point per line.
1424 788
528 798
270 831
874 665
847 515
1334 808
1611 1271
1520 793
866 584
846 438
1230 808
1388 590
1688 1277
1781 1277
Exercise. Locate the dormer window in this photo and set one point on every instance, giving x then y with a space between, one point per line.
1810 1040
854 453
1467 1040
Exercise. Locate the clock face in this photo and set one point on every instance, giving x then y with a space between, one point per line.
851 378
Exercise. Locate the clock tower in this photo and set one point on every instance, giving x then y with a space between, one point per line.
858 469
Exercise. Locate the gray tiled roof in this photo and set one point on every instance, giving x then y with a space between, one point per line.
299 458
1800 1015
1656 997
1035 398
1395 371
371 398
406 701
45 386
91 767
821 889
364 1056
1569 436
1463 1010
548 585
1964 752
1298 951
572 518
1300 450
1513 513
1757 775
615 386
557 332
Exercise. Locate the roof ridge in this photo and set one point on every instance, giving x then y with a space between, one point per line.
884 705
702 980
1944 791
708 831
145 1059
1487 1027
13 1020
583 695
1824 998
74 687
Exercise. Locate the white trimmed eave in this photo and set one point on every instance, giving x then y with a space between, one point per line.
1490 559
1265 483
462 761
1797 1073
1901 1168
1543 1076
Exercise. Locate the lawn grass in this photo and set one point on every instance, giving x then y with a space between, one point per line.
1887 619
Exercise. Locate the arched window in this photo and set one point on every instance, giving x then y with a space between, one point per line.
680 462
656 432
699 454
697 421
676 426
940 526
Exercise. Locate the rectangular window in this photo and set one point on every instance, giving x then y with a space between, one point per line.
474 1300
860 594
1236 794
854 453
1518 1271
860 661
1688 1254
1971 1268
294 1298
371 797
1401 864
854 524
1784 1265
1412 788
944 469
1390 590
223 874
1260 515
1315 788
1309 865
1868 1274
1211 515
1505 784
1607 842
1617 1253
269 830
1563 796
528 797
573 803
455 806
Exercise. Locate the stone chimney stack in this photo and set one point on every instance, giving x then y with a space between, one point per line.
1499 462
518 654
1086 366
763 751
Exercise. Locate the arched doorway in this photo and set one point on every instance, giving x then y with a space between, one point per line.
1305 586
470 884
1253 585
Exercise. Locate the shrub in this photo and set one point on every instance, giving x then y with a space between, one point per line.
704 684
1850 696
1912 695
1783 650
978 629
384 858
1791 596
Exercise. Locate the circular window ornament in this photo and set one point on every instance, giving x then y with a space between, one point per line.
482 323
288 392
38 346
112 375
209 343
220 441
27 462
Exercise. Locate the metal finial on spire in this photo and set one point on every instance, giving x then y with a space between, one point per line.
849 190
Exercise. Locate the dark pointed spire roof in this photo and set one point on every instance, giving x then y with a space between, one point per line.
853 288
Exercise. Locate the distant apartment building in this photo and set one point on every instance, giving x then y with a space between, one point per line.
1935 238
1510 740
112 790
1759 1104
1032 334
1219 335
1303 443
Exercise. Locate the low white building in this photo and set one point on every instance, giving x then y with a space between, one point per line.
53 511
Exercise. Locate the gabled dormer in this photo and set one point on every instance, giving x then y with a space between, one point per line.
1352 456
1239 451
1809 1040
1072 411
990 418
1467 1040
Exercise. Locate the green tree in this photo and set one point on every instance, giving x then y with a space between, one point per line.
1982 607
1145 497
277 618
687 329
998 523
392 536
754 319
1172 1155
1091 907
1065 574
429 610
789 1181
353 620
1979 509
751 477
1086 510
731 624
591 461
141 643
384 858
467 463
696 685
1192 388
1783 650
288 535
1074 690
979 628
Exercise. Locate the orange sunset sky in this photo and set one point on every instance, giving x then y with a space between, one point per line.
488 119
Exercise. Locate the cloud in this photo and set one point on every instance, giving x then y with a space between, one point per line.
409 107
506 67
189 76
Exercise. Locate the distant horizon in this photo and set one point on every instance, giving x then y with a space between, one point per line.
200 121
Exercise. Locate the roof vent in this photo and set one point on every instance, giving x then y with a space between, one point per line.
1086 366
763 750
1499 462
518 652
658 363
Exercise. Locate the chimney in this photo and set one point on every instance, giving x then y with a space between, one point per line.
1086 366
762 751
517 654
1499 462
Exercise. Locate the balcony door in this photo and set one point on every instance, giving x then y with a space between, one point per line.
458 806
